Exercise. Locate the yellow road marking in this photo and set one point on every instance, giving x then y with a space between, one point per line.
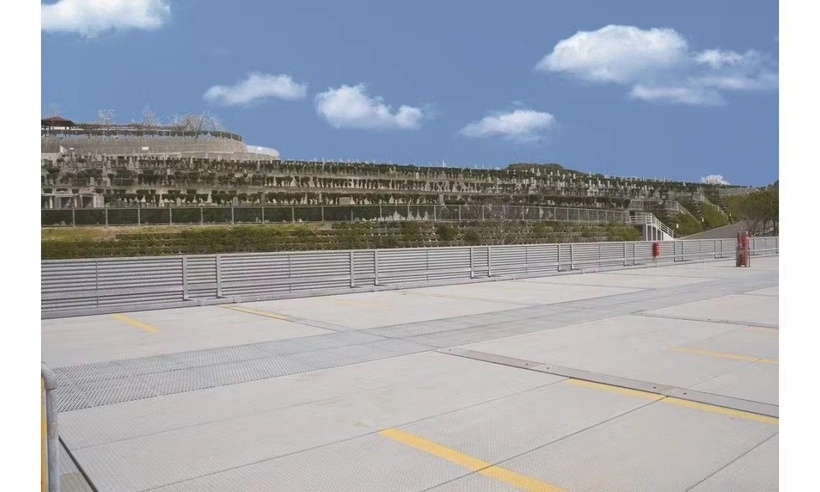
356 303
723 410
133 322
677 401
724 355
763 329
266 314
615 389
488 469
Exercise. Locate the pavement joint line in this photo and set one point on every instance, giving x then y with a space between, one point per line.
725 355
134 322
657 394
281 317
677 401
708 320
510 477
266 314
727 465
762 329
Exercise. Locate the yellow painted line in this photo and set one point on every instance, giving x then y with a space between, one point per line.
356 303
615 389
487 469
763 329
723 410
266 314
724 355
676 401
133 322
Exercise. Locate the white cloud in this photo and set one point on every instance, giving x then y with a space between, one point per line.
659 65
615 53
714 179
90 18
520 125
351 107
256 86
695 96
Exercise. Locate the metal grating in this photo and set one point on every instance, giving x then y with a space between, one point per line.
108 383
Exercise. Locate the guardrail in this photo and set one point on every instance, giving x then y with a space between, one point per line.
109 285
318 213
49 466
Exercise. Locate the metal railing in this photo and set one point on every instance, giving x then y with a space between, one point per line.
319 213
649 219
677 207
98 286
49 465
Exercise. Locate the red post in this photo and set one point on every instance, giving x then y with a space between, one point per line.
656 250
743 252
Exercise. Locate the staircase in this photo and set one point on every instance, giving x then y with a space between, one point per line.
652 228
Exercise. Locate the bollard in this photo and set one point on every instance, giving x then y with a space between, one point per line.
49 468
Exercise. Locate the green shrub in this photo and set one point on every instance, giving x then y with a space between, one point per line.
539 230
472 237
446 232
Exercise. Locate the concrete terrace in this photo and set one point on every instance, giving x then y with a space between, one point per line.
654 379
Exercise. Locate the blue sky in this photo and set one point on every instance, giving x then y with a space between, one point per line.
649 87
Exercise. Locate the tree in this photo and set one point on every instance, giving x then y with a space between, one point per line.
502 220
759 211
195 123
106 117
149 119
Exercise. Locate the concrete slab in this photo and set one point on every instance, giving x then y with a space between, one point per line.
771 291
757 470
367 463
74 341
192 450
626 281
632 347
657 447
752 382
527 293
377 309
303 394
741 309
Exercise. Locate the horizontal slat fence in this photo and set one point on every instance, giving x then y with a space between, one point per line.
107 285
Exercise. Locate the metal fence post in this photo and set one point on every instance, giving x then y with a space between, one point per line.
322 209
232 214
777 245
376 266
106 216
472 249
625 264
201 216
558 246
292 214
170 216
218 276
572 256
73 218
489 260
263 214
352 270
50 470
184 278
459 214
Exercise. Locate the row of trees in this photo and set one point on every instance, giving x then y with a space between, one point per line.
759 211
